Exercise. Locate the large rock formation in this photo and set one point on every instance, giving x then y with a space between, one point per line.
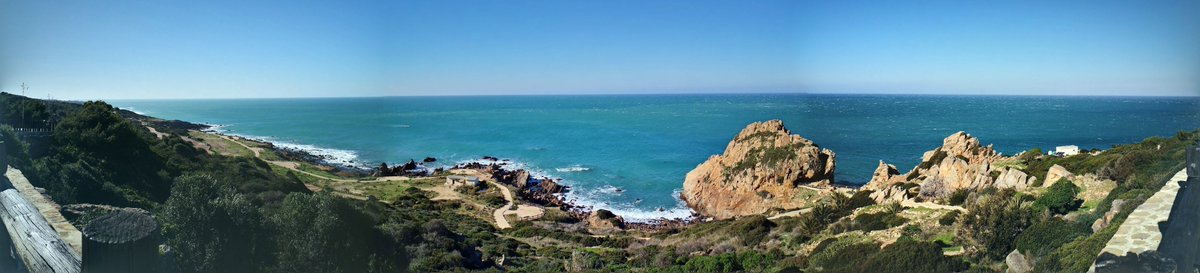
960 163
763 168
1015 179
1057 172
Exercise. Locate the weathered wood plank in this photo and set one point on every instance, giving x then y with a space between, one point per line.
33 238
48 208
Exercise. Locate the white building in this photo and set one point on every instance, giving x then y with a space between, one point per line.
455 181
1068 150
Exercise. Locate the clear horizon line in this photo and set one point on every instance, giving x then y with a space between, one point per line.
647 94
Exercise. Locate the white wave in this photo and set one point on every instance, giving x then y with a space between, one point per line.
135 111
216 128
573 168
329 155
591 196
631 212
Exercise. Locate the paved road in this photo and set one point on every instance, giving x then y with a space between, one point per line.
1181 236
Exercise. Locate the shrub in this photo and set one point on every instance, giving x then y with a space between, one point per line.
1060 197
910 256
1045 236
949 218
994 222
958 197
878 221
752 229
842 255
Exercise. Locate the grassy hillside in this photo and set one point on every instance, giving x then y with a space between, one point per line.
231 212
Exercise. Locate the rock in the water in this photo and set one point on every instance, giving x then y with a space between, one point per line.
1055 173
1017 263
763 168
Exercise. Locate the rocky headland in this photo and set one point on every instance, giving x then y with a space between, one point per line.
961 163
763 168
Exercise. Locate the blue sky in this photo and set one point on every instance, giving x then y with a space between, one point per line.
232 49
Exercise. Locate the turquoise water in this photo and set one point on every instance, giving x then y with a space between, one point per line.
645 144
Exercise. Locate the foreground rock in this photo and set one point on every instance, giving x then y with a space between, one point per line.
765 167
961 163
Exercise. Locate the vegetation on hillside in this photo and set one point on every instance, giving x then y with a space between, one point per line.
239 214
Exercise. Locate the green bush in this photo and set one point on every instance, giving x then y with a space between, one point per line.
1060 197
949 218
878 221
1047 235
958 197
994 222
842 255
910 256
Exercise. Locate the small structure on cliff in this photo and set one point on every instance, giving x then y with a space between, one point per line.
1068 150
124 240
764 168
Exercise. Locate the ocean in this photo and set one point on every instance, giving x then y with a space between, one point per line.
645 144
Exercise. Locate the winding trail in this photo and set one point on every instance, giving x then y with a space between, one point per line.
522 211
444 193
285 164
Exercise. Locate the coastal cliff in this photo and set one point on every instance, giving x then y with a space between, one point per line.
764 167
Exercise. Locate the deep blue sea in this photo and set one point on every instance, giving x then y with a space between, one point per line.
645 144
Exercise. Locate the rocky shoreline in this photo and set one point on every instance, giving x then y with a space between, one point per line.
548 192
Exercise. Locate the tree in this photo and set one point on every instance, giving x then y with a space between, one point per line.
321 233
211 227
133 173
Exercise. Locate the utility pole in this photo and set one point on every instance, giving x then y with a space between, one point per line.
24 88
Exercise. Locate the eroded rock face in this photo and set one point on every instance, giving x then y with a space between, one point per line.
1015 179
1057 172
960 163
763 168
885 175
604 221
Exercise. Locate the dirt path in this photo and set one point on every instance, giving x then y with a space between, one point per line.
443 192
285 164
156 133
522 211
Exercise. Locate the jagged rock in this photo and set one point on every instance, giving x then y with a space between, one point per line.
894 193
429 159
960 163
1055 173
1015 179
1017 263
885 175
964 145
1108 216
763 168
604 220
